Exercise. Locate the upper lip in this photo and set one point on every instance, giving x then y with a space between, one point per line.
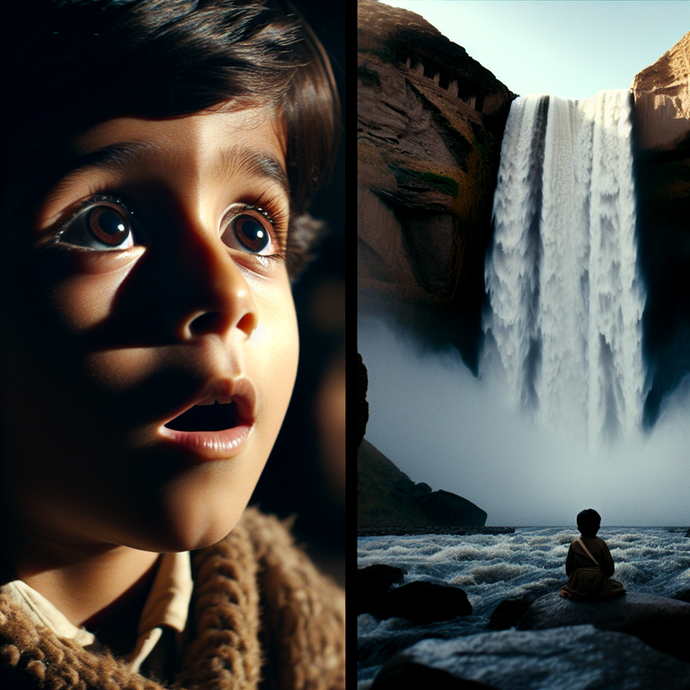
238 390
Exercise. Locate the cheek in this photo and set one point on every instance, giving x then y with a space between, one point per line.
276 346
85 301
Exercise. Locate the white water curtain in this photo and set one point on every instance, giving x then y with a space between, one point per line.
566 301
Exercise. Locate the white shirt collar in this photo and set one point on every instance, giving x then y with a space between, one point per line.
166 605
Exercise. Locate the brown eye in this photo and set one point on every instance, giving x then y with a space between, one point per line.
109 225
250 230
102 223
251 233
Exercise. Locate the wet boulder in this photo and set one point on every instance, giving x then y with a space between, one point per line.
570 657
425 602
509 612
373 583
662 623
683 595
403 672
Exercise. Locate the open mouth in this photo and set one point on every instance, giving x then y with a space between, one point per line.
215 417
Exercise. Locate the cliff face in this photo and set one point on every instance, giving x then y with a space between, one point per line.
387 497
662 100
662 179
430 123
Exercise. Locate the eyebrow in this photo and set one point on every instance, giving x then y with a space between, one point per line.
231 160
237 159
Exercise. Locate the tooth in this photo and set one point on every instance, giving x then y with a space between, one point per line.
223 400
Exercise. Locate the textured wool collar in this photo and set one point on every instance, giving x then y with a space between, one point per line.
263 617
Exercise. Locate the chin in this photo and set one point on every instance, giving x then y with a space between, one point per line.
184 538
189 509
180 526
198 532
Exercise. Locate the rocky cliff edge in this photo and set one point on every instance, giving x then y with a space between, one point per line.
387 497
662 100
430 124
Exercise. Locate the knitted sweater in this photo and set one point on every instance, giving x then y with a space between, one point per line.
262 618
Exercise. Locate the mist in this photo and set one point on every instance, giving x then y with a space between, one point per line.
441 425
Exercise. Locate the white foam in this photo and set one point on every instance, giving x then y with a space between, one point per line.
574 295
491 568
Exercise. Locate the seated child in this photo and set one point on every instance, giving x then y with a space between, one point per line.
589 565
158 157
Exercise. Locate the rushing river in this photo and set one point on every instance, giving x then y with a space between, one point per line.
491 568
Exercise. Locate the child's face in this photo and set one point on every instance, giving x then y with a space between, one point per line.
148 283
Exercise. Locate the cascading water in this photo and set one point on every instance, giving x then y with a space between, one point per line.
566 302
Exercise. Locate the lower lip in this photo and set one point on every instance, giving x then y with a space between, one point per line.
206 446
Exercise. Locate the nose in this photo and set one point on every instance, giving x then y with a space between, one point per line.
214 296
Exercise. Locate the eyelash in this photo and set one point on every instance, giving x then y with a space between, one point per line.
274 213
82 206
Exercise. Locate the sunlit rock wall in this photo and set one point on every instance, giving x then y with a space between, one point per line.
662 100
430 123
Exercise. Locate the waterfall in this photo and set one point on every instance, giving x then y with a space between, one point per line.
565 299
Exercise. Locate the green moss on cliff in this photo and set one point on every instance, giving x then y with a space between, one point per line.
444 184
485 143
414 178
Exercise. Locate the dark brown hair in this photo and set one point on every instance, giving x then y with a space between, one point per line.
70 65
588 522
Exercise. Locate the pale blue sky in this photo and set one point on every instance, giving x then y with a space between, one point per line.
567 48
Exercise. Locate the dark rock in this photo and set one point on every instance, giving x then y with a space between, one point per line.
683 595
687 534
425 602
662 623
376 475
406 491
401 672
574 657
362 404
450 509
373 583
387 497
509 612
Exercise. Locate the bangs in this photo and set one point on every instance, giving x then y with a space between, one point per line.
72 65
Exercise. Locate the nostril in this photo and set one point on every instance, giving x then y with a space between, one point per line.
207 322
219 322
247 323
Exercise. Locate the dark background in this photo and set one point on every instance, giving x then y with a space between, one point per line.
301 479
